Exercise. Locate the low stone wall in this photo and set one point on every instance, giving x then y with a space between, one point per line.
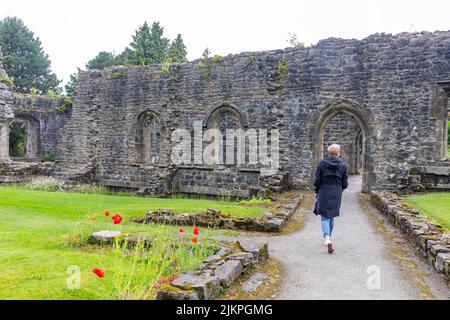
271 222
430 239
216 273
19 172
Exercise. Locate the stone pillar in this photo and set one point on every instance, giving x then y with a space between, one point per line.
4 141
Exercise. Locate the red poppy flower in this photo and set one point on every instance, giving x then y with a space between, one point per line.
232 294
118 219
196 231
99 272
181 230
194 240
107 213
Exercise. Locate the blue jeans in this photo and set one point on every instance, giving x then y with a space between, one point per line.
327 226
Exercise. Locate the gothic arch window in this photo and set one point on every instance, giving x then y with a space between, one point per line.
223 118
149 138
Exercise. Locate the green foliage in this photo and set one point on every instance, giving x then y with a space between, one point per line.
149 46
34 91
48 158
217 58
256 200
294 42
118 74
65 106
25 60
53 95
72 84
101 61
7 80
206 63
17 142
165 68
283 68
177 51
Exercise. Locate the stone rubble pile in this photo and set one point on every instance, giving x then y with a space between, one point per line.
430 239
215 219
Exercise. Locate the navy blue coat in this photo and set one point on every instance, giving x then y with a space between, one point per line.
331 180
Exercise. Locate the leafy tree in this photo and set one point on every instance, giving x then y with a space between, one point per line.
101 61
25 60
177 51
71 85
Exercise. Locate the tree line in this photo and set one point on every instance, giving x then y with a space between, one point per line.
29 67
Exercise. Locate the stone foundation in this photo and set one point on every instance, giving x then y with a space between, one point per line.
271 222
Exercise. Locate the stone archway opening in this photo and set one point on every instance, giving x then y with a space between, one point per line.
345 131
348 124
23 138
17 141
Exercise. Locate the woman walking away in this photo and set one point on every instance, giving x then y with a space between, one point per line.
331 180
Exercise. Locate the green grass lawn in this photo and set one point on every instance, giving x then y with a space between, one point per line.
435 205
37 232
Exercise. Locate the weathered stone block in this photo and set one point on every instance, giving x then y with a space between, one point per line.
228 272
259 249
246 258
273 225
207 287
104 237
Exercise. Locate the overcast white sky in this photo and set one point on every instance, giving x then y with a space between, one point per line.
72 32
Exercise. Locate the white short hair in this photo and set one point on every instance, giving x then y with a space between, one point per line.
334 150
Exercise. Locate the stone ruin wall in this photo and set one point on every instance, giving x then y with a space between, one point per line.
394 87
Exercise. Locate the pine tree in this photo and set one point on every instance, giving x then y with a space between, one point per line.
177 51
24 58
140 47
101 61
149 46
71 85
158 43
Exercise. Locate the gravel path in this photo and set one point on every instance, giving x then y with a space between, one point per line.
365 246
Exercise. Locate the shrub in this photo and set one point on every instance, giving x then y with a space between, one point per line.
6 80
256 200
48 158
206 63
118 74
283 68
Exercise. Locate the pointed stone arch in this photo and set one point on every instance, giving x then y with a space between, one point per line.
366 122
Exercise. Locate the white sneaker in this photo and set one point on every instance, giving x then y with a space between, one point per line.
327 242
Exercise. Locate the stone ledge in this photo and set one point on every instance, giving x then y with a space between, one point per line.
216 273
428 237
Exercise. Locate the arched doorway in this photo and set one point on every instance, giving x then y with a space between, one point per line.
24 138
359 145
